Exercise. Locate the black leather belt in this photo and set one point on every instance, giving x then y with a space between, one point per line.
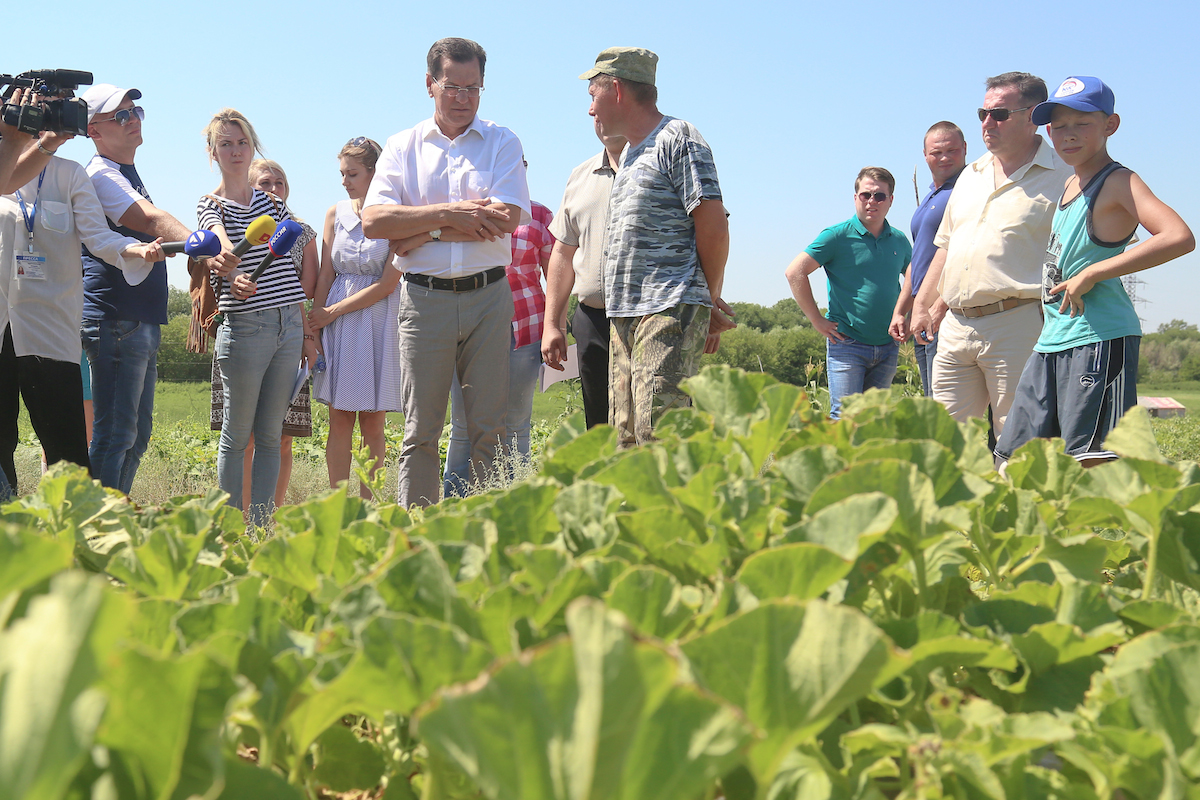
465 284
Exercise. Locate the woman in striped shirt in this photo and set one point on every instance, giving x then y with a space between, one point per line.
264 331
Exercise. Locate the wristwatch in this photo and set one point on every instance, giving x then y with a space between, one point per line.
436 234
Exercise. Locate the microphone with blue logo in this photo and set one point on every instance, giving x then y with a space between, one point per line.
200 244
280 244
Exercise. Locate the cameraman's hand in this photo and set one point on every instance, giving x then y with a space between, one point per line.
12 136
51 140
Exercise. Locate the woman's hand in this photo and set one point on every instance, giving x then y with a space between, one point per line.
223 262
243 288
320 317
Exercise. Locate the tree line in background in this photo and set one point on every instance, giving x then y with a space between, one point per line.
175 363
1170 354
777 340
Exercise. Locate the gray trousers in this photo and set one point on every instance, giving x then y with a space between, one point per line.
439 332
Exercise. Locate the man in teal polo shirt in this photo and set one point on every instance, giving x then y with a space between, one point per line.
864 258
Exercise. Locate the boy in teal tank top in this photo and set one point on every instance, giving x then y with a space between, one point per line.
1082 376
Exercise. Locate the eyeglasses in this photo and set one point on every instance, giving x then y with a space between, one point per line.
362 141
123 116
1000 114
878 197
460 92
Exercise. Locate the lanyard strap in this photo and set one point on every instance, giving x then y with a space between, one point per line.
31 215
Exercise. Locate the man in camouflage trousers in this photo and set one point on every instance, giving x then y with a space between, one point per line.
665 246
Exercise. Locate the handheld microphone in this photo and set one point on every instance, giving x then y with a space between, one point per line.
199 244
280 244
257 232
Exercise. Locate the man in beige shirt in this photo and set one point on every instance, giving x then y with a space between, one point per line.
578 230
987 268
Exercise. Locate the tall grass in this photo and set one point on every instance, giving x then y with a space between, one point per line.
182 456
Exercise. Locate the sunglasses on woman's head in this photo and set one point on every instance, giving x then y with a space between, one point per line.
362 141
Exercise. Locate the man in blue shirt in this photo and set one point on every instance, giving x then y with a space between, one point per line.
946 155
122 311
863 259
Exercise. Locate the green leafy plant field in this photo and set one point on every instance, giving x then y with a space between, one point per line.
763 604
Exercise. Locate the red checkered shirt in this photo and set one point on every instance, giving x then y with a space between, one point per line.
530 243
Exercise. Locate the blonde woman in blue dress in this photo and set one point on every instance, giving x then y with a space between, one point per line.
355 308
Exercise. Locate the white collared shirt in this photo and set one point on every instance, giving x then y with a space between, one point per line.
421 166
45 314
995 237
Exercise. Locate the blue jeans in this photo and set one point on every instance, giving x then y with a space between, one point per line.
524 367
123 355
925 354
259 354
854 367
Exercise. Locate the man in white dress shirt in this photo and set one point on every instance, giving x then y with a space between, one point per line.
454 188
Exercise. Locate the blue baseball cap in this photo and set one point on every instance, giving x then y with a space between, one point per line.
1078 92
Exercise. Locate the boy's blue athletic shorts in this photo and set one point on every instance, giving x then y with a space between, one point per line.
1077 394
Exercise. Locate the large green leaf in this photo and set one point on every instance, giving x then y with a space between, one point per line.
398 663
1134 437
637 476
246 782
599 716
793 668
164 564
651 600
936 640
585 512
27 559
1042 466
525 513
419 583
672 541
1161 678
849 526
901 481
735 398
50 663
801 571
569 451
806 468
163 718
934 460
345 762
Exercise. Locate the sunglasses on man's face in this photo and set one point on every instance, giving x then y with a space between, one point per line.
878 197
123 116
1000 114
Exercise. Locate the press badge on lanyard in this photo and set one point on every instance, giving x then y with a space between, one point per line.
29 264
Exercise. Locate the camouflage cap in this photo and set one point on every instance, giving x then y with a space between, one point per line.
628 63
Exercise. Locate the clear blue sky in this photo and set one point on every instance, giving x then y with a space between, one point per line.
793 97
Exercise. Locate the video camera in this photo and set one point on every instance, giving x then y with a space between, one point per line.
59 115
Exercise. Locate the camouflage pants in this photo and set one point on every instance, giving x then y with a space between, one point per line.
648 358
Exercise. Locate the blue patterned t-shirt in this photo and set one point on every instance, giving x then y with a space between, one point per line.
650 259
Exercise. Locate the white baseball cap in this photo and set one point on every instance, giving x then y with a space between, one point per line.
104 97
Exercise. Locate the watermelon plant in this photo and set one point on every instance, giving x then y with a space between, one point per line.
762 604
